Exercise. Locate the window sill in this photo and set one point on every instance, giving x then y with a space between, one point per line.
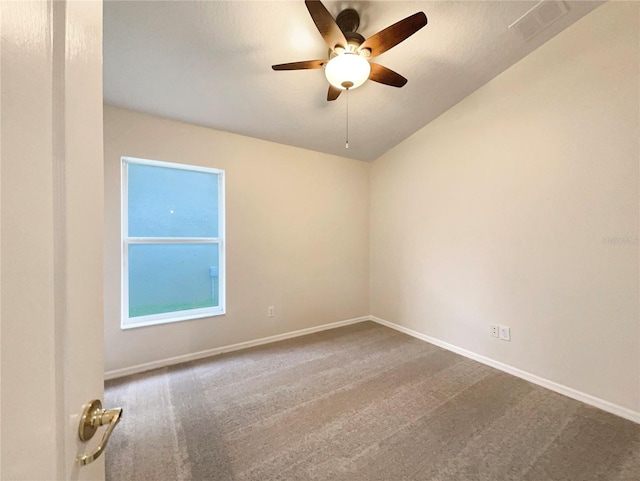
171 317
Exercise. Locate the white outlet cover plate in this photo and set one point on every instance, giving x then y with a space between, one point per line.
493 330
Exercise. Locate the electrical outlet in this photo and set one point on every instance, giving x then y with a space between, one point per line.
271 311
493 330
505 333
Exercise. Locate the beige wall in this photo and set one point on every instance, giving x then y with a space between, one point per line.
297 237
496 212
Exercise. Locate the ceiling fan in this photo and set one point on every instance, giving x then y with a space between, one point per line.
348 65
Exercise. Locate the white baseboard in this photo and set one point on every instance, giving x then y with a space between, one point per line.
148 366
540 381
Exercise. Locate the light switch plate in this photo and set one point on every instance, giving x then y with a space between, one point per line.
505 333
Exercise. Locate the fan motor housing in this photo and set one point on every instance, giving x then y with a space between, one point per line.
348 20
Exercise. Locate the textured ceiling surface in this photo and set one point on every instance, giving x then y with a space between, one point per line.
209 63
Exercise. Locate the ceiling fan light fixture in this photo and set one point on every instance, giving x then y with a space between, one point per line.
347 71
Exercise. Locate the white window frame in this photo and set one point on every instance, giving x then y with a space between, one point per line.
175 316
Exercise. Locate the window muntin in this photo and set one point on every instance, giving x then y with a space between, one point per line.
172 242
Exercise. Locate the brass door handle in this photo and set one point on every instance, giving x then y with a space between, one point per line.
93 416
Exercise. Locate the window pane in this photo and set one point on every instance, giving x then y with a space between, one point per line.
165 202
172 277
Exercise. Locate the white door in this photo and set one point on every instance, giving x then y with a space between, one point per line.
51 232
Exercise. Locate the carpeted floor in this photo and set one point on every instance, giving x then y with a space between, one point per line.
359 403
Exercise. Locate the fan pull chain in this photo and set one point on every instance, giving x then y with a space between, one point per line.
346 145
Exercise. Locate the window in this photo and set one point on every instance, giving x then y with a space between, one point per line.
172 242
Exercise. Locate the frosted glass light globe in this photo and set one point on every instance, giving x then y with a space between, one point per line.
347 71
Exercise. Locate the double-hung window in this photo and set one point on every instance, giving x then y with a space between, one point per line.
172 242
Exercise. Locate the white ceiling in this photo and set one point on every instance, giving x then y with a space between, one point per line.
209 63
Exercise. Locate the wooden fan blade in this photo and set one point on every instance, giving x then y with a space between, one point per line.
393 35
306 64
386 76
327 26
334 93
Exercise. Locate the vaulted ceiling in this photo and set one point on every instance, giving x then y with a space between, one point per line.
209 63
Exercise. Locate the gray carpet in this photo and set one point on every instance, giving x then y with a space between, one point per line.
359 403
